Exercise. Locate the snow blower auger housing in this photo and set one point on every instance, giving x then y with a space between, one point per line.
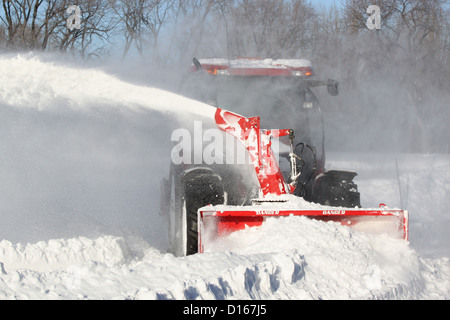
276 197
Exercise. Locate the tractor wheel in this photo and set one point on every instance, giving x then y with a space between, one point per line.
337 189
201 188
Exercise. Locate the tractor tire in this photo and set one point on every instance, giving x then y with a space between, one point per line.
337 189
201 188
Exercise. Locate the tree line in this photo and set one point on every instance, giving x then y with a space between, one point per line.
412 47
267 28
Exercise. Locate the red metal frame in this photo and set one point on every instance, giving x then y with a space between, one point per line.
241 69
223 219
258 144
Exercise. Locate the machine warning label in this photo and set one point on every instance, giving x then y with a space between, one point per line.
268 212
333 212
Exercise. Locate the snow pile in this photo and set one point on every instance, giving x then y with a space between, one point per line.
80 173
60 254
337 263
287 258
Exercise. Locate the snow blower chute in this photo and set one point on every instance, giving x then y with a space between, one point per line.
276 195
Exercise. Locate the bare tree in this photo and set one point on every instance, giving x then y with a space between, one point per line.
197 29
271 28
411 53
16 17
42 25
141 22
130 15
89 39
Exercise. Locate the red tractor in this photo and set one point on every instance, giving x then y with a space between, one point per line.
228 196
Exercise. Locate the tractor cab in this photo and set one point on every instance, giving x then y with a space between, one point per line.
279 91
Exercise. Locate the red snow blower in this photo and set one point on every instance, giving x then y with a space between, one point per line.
274 199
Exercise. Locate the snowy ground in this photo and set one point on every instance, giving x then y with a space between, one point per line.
82 154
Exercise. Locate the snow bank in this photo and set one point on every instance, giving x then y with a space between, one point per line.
59 254
338 262
287 258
